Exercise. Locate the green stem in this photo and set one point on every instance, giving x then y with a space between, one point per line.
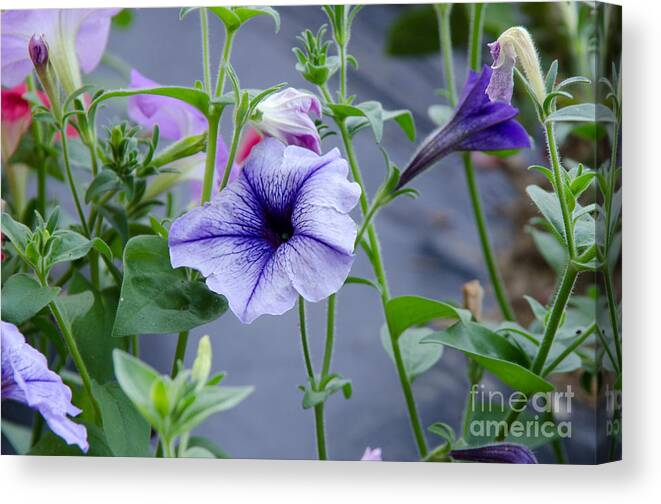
330 333
41 166
222 67
377 265
75 354
135 347
477 22
206 58
304 341
487 252
319 408
445 40
559 183
180 352
342 48
476 31
570 348
612 311
320 429
605 344
210 163
555 317
230 158
72 185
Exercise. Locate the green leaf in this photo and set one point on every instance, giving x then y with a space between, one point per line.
417 357
247 13
52 445
334 384
549 206
208 401
91 315
494 352
126 431
362 281
444 431
156 298
551 249
104 182
408 311
192 96
68 246
208 446
228 17
440 114
584 112
23 297
19 234
136 379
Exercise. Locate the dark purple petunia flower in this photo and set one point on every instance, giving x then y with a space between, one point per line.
27 379
503 453
478 124
279 230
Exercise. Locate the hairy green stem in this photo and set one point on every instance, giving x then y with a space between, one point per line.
319 408
72 184
222 67
210 163
41 166
377 265
476 31
180 352
206 58
612 312
445 40
569 349
559 183
75 354
236 135
330 333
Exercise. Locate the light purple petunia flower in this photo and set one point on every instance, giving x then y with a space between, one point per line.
478 124
503 453
279 230
76 39
286 115
27 379
372 455
176 120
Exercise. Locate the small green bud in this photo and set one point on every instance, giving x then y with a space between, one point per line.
202 364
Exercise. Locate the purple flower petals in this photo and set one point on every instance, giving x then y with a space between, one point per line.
27 379
287 116
279 230
504 453
501 86
76 39
477 124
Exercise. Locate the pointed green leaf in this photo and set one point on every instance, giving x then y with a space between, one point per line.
23 297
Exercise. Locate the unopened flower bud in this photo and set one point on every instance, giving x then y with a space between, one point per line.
473 294
38 49
202 364
515 45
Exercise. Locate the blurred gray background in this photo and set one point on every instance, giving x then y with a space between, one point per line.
430 247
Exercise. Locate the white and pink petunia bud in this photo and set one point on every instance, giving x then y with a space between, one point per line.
288 116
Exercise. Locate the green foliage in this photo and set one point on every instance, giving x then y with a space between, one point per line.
417 357
173 406
23 297
325 388
494 352
156 298
409 311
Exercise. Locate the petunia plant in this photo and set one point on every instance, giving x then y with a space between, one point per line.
274 216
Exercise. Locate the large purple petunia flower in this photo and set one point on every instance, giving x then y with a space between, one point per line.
27 379
176 120
503 453
478 124
76 40
279 230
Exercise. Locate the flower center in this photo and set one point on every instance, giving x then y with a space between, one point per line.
279 228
